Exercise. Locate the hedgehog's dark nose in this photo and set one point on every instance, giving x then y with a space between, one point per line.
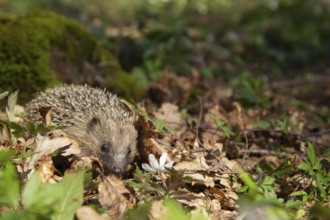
117 171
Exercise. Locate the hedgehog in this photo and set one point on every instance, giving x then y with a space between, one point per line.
95 118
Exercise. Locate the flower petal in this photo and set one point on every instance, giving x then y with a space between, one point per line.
153 162
162 160
169 164
148 168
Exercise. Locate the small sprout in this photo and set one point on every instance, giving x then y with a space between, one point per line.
156 167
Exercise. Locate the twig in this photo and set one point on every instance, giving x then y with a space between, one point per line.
209 171
302 135
297 82
262 152
320 133
199 119
246 141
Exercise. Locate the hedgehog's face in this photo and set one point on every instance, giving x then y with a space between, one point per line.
113 142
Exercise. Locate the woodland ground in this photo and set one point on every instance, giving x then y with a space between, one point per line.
243 115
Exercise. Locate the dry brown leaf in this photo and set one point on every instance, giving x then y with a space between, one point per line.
158 93
227 202
211 139
218 113
198 164
225 214
46 168
146 131
46 114
88 213
115 197
4 136
153 147
201 201
88 163
237 116
46 146
128 106
171 115
229 166
172 88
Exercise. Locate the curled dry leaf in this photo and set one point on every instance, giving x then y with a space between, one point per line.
46 114
146 131
128 106
238 115
4 136
44 145
87 213
88 163
115 197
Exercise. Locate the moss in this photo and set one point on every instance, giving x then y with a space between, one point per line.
42 48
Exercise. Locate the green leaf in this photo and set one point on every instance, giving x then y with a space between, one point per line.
16 129
268 181
4 94
72 197
160 125
298 193
321 182
9 186
282 170
176 211
246 178
304 166
12 100
139 213
222 125
31 127
311 154
139 75
37 197
18 214
5 155
294 204
60 201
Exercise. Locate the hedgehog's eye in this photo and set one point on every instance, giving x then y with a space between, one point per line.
128 152
105 148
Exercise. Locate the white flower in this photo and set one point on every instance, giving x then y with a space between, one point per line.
154 166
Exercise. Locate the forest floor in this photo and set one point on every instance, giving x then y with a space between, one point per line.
247 149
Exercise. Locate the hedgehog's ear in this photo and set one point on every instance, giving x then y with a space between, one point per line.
92 123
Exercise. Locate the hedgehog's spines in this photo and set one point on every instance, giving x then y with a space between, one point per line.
70 99
77 108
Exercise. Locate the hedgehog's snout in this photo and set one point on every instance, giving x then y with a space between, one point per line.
114 163
117 170
114 169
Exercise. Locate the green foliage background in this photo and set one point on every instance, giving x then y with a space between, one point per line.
28 44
